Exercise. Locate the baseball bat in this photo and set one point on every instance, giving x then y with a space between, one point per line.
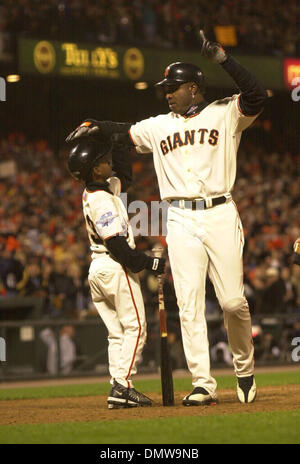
165 360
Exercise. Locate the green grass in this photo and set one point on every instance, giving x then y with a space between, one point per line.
276 427
147 386
281 427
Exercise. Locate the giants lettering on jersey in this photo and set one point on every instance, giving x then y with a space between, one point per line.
190 138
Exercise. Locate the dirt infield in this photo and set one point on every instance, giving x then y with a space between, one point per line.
94 408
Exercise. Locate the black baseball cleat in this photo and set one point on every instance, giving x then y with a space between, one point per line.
199 397
123 397
246 389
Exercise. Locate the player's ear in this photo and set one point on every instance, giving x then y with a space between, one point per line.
96 170
194 88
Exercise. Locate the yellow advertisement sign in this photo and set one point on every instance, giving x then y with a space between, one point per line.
133 63
226 35
44 57
72 59
101 61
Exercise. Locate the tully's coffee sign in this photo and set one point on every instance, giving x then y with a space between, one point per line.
53 58
73 59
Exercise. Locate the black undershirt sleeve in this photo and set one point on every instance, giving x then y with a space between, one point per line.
253 95
122 165
135 259
109 128
118 132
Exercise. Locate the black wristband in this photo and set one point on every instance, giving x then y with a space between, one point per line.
152 264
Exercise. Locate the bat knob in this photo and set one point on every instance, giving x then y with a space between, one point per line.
158 251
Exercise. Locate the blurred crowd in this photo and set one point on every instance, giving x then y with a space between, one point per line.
261 26
44 250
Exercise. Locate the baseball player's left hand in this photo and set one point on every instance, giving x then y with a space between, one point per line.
156 265
212 50
86 128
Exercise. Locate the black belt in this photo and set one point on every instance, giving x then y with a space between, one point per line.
198 204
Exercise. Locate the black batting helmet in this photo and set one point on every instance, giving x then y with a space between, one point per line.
84 155
182 72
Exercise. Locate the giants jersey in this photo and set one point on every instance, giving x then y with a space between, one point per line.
105 216
194 157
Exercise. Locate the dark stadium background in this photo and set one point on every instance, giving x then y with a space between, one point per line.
39 108
51 107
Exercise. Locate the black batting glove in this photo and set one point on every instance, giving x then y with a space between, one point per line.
156 265
213 51
86 128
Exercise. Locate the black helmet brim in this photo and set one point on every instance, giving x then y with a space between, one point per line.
180 73
170 81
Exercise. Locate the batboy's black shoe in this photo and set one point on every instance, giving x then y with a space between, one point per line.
199 397
123 397
246 389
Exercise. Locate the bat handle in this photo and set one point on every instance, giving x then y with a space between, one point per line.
158 251
160 281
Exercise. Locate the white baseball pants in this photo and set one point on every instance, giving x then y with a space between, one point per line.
210 241
117 296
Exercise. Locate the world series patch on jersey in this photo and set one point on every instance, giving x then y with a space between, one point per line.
106 216
194 156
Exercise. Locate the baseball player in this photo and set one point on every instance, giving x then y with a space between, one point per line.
113 277
194 150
